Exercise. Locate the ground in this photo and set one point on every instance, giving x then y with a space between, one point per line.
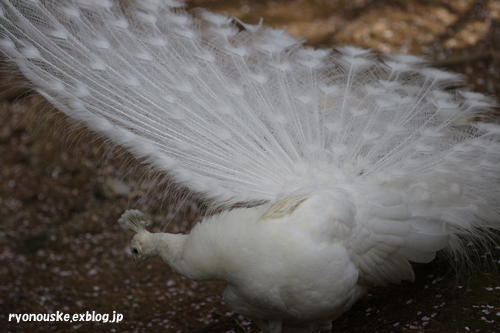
61 248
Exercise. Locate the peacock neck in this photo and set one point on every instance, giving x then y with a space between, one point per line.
170 248
173 249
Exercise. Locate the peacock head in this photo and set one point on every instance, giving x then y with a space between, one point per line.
141 243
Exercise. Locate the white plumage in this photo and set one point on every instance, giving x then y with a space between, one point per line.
352 164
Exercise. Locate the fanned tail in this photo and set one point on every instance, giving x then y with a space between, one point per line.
242 115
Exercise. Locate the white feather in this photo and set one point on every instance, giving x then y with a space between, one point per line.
360 165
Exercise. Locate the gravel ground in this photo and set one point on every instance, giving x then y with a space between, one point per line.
61 194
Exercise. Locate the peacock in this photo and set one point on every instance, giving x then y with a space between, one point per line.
326 172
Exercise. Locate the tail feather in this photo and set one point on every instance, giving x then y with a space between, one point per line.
244 115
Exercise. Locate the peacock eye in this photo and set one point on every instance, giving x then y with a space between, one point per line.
135 251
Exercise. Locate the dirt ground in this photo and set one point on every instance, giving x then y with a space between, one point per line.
61 248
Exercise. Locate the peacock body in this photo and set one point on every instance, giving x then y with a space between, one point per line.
350 164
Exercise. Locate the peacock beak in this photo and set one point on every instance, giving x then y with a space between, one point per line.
136 263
